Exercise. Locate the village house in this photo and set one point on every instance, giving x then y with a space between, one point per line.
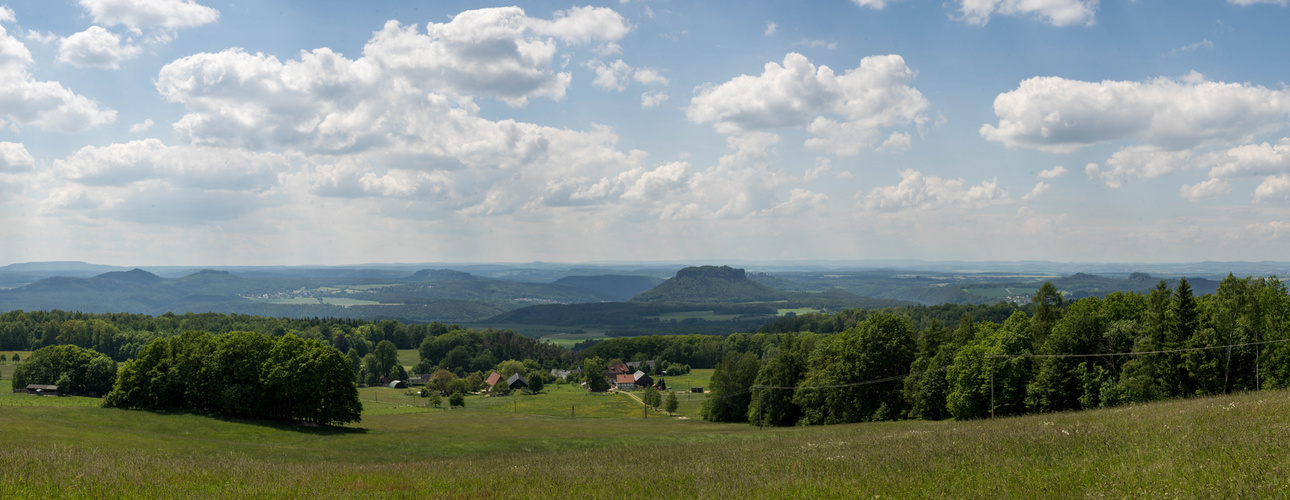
624 382
493 378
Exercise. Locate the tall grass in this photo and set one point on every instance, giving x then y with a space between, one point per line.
1221 447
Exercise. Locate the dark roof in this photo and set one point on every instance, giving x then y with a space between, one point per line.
515 377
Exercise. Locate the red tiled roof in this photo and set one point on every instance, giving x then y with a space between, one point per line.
625 379
493 378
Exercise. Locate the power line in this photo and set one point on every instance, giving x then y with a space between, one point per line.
1108 354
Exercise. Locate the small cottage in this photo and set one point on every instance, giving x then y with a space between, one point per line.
493 379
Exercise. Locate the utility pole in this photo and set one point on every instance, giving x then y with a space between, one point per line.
761 411
1228 370
991 387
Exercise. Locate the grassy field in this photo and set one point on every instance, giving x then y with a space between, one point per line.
409 358
7 366
1221 447
567 340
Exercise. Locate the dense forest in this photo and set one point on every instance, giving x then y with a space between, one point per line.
1063 355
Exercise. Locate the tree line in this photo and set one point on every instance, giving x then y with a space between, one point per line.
121 336
883 367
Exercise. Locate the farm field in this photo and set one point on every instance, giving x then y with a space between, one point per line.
567 340
409 358
335 301
1219 447
553 332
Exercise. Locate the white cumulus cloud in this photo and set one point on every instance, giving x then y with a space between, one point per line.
1054 172
1054 12
15 158
1251 159
873 4
137 14
845 112
1273 188
142 126
1060 116
1204 190
1039 191
917 190
653 98
1248 3
44 105
96 47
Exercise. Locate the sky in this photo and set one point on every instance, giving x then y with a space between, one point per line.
182 132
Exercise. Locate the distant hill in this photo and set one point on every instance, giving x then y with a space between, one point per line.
710 284
618 287
133 276
440 275
1081 285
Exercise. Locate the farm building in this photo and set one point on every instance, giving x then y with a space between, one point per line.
624 382
493 379
616 370
557 373
398 384
43 390
516 382
640 379
636 365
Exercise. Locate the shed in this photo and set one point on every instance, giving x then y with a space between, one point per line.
516 382
398 384
43 390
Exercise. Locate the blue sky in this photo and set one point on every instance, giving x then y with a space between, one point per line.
175 132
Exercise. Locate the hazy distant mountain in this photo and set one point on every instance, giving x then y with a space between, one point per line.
619 287
710 284
133 276
440 275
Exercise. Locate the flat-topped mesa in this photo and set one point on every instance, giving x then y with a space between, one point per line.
720 272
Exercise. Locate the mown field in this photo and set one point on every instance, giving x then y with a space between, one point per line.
8 365
1221 447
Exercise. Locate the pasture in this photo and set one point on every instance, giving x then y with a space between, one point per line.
1220 447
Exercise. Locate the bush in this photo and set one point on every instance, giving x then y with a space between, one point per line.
457 399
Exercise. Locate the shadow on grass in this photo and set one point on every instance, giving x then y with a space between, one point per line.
283 425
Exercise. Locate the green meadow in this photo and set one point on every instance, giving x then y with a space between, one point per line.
1220 447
